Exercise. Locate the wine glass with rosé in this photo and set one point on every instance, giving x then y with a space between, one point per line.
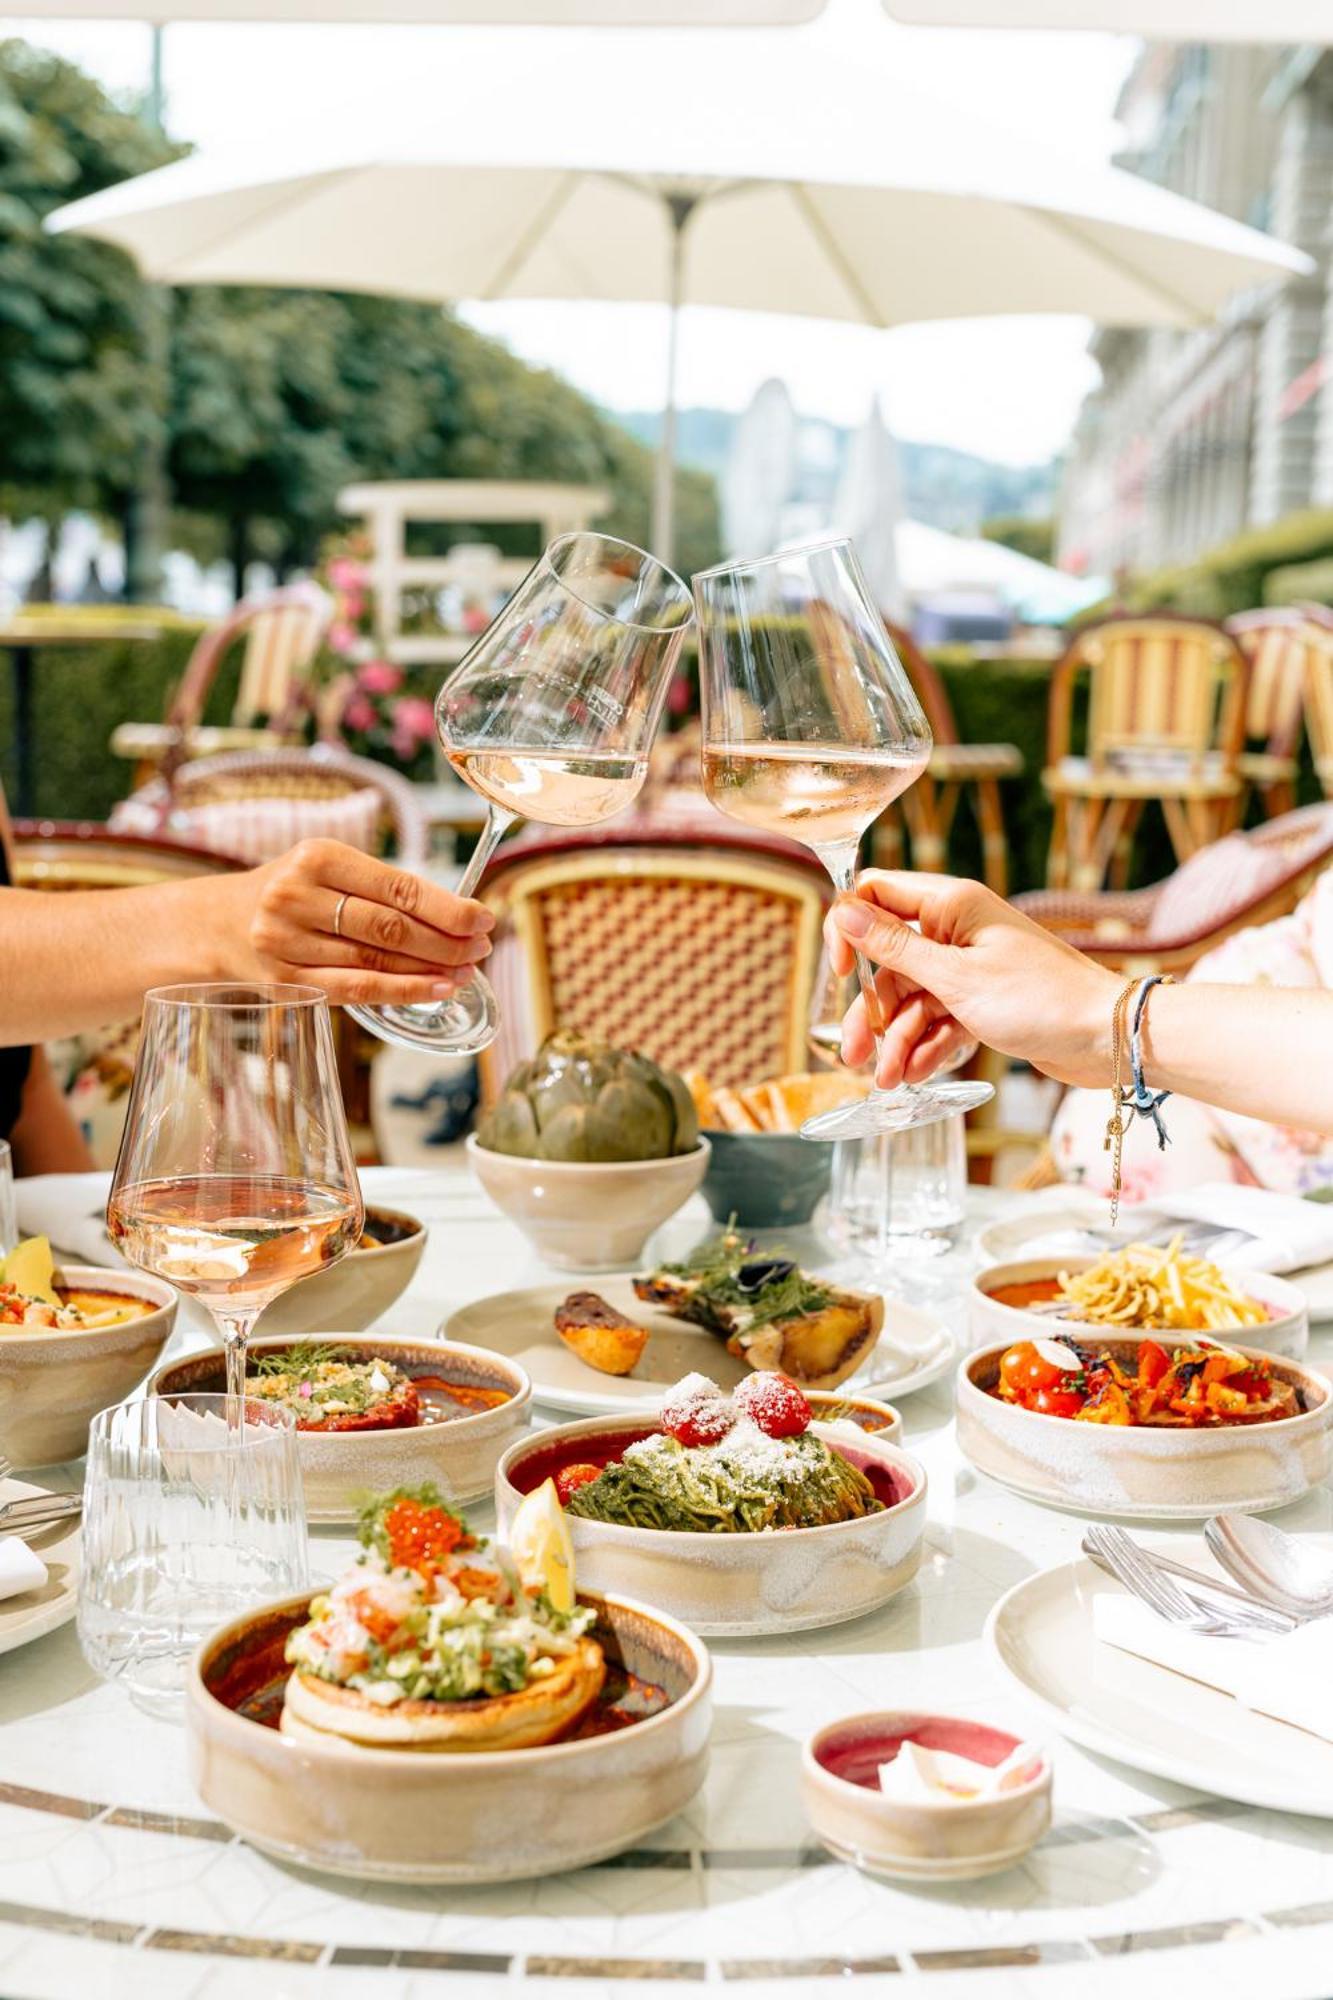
235 1177
810 729
550 717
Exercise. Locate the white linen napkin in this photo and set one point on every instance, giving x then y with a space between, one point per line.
20 1568
1287 1234
70 1209
1286 1676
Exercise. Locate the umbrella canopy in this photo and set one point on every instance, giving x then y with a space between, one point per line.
760 472
935 564
869 505
1160 20
758 172
422 13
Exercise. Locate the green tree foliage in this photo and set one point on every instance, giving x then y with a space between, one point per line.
73 419
1023 533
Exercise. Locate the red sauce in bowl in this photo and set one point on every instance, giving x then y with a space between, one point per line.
855 1754
603 1448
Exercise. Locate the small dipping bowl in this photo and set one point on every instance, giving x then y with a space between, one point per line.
952 1841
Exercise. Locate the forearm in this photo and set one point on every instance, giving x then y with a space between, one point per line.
80 960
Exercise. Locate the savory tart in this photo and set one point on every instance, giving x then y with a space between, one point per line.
1202 1386
771 1314
739 1464
602 1337
422 1645
326 1394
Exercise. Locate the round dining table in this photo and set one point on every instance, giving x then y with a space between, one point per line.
116 1879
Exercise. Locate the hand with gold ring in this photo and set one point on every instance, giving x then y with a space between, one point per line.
368 933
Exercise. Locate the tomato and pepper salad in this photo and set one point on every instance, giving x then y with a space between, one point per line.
1203 1385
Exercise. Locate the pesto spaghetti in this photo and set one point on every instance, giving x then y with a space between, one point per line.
745 1483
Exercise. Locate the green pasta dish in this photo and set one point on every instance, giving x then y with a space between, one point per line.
741 1480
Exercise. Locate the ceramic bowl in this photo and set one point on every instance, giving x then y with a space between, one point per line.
1139 1471
338 1470
765 1179
418 1816
856 1413
733 1586
54 1380
952 1841
357 1289
1287 1332
588 1215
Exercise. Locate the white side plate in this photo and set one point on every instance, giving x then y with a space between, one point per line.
34 1613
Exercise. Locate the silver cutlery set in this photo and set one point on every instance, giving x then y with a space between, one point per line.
1278 1582
36 1512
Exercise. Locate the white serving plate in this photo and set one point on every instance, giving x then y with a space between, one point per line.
1287 1332
1061 1211
1041 1635
742 1586
34 1613
521 1326
1137 1471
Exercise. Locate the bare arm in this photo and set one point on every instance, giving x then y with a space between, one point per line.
979 970
81 960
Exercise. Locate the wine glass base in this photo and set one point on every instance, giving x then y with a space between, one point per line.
459 1026
897 1110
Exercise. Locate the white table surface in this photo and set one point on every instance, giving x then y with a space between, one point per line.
115 1880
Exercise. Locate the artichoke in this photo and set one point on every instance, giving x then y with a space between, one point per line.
584 1100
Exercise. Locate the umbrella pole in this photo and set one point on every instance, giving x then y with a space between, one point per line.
679 207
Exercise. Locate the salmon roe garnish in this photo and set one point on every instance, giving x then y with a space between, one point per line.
420 1538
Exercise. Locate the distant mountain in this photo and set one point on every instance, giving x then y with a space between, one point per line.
946 488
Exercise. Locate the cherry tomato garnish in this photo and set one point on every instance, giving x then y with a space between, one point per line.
1025 1371
1057 1402
1154 1362
571 1477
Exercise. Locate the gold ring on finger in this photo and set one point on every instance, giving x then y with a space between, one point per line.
338 909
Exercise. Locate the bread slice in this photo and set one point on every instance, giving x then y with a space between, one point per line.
598 1334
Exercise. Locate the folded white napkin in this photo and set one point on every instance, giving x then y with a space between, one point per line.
1287 1234
20 1568
1287 1676
70 1209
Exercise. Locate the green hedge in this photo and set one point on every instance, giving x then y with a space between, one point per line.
82 694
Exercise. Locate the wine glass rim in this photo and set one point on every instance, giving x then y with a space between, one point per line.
793 551
235 995
599 610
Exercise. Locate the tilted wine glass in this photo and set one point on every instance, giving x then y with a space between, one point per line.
550 717
810 729
235 1177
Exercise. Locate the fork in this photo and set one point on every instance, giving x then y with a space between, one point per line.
1113 1549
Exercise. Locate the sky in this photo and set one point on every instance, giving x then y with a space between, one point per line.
1006 388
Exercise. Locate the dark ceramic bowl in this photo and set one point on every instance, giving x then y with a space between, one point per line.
766 1179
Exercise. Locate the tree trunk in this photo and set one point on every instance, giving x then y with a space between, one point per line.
238 552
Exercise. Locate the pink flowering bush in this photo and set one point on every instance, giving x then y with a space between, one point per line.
363 703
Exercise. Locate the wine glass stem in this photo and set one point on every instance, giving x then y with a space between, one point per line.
841 864
498 823
235 1329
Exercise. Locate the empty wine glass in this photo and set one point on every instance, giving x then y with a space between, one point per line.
550 717
810 729
235 1177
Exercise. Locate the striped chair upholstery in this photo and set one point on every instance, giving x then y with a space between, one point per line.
1166 722
282 634
699 955
1317 640
1274 643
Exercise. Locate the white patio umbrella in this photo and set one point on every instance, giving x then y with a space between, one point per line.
760 472
869 504
422 13
741 170
1160 20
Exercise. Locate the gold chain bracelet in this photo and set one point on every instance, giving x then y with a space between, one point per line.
1121 1101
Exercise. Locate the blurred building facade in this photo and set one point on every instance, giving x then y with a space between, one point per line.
1193 436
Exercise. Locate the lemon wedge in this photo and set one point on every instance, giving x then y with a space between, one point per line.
541 1546
31 1269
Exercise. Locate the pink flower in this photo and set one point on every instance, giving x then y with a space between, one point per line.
414 719
380 677
678 695
342 636
359 713
346 574
353 605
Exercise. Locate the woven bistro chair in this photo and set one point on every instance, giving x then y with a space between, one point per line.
1243 880
1317 642
1275 643
930 805
700 954
282 633
1166 722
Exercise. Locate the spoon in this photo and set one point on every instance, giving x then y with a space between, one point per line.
1278 1568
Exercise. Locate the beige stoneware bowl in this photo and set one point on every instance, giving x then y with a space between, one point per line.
593 1215
338 1471
418 1816
1139 1471
735 1586
53 1381
1287 1332
952 1841
354 1291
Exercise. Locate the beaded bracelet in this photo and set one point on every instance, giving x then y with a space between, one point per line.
1133 1098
